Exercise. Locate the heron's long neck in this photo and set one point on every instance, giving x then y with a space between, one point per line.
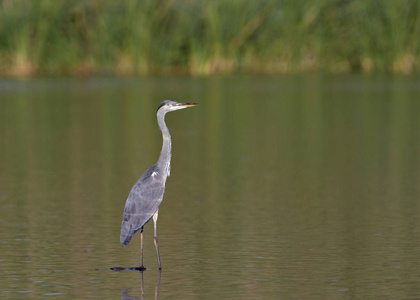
164 162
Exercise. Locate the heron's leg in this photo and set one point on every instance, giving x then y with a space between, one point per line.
155 217
141 249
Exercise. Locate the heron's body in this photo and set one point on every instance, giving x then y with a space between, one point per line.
141 203
147 193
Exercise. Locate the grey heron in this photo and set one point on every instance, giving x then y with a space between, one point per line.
147 193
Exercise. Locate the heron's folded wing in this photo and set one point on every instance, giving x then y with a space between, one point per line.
142 203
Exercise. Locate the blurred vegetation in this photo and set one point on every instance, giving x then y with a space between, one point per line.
82 37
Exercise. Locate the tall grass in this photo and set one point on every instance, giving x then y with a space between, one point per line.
205 37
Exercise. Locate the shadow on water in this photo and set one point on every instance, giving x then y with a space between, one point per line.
126 294
117 269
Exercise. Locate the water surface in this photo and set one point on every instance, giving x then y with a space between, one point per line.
281 187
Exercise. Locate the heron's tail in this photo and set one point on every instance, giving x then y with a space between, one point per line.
126 234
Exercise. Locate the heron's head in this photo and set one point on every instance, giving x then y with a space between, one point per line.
169 105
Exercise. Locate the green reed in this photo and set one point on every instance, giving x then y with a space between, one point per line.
206 37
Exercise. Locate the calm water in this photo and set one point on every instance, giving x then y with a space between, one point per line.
281 188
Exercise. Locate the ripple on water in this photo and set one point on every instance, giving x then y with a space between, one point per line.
53 294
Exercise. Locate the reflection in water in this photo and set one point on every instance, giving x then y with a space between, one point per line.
125 294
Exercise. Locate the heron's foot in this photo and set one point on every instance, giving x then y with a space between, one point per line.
141 268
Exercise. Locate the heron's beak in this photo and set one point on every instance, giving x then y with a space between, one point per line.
185 105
